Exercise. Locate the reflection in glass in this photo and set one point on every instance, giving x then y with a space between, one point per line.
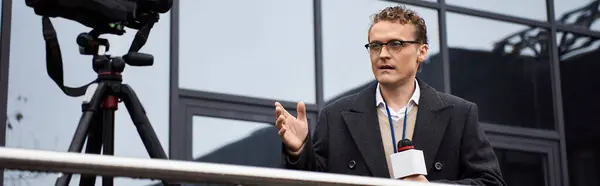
41 116
522 168
580 13
579 77
506 75
530 9
259 48
346 63
219 140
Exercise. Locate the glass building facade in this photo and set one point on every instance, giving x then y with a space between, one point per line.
522 62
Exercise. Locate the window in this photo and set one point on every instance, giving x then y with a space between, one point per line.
259 48
578 71
522 168
229 125
579 13
346 63
526 160
507 77
41 116
219 140
532 9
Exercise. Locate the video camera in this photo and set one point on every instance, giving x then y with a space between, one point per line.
104 17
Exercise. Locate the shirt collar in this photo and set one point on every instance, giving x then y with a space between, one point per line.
414 98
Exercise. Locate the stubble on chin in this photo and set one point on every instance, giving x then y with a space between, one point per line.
386 78
391 79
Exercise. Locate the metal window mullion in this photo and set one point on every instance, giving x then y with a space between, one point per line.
318 39
177 124
5 26
557 95
443 34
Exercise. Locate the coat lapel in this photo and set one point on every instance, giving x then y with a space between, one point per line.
431 123
363 125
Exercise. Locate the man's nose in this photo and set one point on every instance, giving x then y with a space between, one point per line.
384 53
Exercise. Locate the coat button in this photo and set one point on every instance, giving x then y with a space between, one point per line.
352 164
438 166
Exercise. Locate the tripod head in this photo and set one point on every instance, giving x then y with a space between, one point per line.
90 44
97 124
104 64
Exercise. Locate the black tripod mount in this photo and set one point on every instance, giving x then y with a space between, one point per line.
100 103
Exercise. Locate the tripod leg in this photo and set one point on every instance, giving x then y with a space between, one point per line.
108 132
93 146
144 128
89 106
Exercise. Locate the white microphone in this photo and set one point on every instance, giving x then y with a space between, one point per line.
408 161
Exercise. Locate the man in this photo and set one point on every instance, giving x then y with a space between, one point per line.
353 134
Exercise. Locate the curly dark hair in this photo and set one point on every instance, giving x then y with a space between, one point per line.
403 15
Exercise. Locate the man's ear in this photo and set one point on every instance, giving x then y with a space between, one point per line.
423 49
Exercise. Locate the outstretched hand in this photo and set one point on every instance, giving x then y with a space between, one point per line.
292 131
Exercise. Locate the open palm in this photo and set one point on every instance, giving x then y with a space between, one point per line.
292 131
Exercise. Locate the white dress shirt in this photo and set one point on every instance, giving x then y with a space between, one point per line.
398 114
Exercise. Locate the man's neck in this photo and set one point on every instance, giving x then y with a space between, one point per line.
397 95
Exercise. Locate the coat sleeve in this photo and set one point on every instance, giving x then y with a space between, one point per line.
315 151
478 162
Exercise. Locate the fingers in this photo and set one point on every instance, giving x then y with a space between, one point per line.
301 111
282 110
278 109
279 115
282 132
420 178
278 112
280 121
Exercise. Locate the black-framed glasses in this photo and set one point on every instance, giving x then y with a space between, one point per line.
393 46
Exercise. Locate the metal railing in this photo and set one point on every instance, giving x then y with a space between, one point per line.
174 170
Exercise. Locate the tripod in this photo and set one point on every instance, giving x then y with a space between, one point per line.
100 103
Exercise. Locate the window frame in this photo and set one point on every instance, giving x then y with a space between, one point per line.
548 148
5 22
226 110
